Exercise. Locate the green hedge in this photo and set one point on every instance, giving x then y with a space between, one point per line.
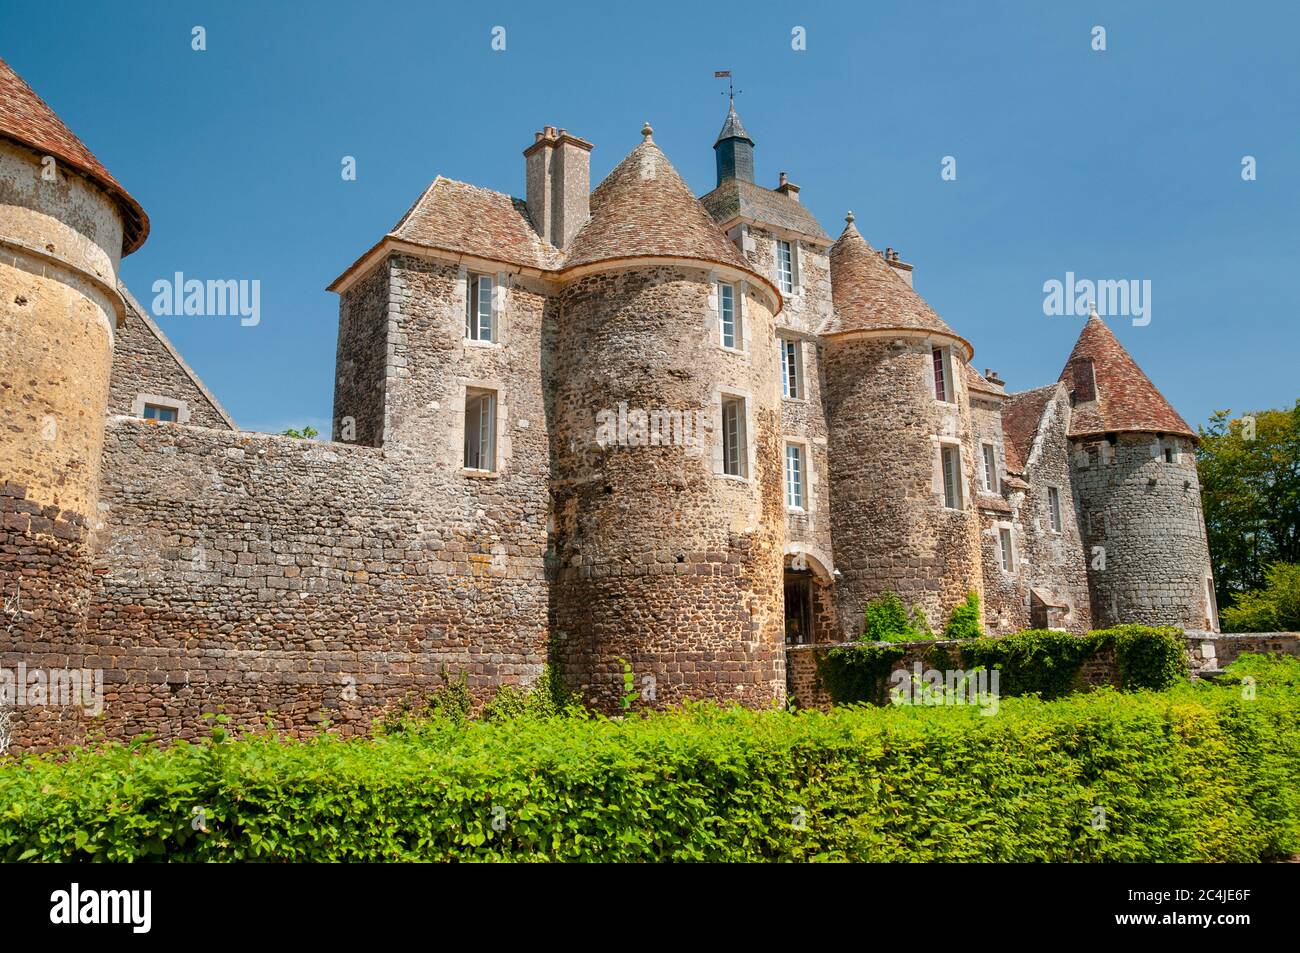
1197 773
1042 662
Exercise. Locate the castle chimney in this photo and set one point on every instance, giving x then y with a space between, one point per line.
992 377
558 169
903 269
786 187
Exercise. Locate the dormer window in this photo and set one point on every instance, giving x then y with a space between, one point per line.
478 308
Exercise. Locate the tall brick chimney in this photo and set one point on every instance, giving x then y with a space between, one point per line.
559 184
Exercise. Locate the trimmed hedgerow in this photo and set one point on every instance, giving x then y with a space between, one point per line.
1042 662
1196 773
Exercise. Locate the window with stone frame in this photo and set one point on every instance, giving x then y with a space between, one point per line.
1054 508
729 317
1006 549
791 369
943 380
950 463
479 325
735 449
161 412
480 429
785 266
795 476
989 470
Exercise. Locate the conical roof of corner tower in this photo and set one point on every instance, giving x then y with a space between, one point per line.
1126 400
28 120
868 294
644 209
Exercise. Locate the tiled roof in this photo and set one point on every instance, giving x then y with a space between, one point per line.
26 119
1126 400
736 197
978 382
870 296
643 208
1020 416
454 216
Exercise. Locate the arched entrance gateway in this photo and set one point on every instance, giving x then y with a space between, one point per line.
809 610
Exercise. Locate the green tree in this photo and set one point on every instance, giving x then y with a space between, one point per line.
885 619
306 433
1274 608
1250 486
964 623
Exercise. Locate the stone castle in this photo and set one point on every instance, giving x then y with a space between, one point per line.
614 429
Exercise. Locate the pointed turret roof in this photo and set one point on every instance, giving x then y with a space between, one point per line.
868 294
644 209
1116 397
26 119
732 128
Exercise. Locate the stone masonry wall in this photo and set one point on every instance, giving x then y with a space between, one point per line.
662 561
1145 514
361 363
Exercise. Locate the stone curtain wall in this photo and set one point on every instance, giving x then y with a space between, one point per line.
891 528
1146 514
252 573
361 360
661 561
143 364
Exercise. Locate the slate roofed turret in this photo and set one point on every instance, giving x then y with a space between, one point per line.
644 209
26 119
1110 393
734 150
868 295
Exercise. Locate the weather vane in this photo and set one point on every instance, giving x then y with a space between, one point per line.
731 91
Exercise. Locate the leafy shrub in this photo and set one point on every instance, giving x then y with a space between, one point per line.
1044 662
885 619
1275 608
964 623
1197 773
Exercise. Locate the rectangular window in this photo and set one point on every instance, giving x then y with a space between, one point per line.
735 452
791 385
951 463
1054 507
1169 455
785 266
794 476
1007 550
729 316
478 307
480 429
990 474
159 412
943 383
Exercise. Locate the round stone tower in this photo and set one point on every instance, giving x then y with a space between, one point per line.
1136 490
64 224
667 498
902 458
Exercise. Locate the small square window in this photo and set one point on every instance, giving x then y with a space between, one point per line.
951 464
480 429
794 476
478 308
791 382
1169 455
735 450
729 317
160 412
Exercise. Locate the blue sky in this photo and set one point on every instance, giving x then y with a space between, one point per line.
1117 164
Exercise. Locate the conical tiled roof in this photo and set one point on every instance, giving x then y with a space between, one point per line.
26 119
732 128
1123 399
868 294
644 209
